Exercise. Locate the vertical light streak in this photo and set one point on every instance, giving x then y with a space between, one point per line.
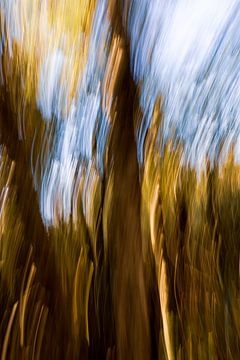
188 52
56 41
76 131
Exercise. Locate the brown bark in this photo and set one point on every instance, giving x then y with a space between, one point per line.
124 238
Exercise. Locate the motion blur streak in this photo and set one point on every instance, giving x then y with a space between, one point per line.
188 52
119 179
75 128
54 36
